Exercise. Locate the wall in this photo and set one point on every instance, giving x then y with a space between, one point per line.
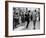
2 19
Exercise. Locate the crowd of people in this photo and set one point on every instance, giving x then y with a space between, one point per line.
21 16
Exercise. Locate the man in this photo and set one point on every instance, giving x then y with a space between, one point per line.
22 17
34 18
27 19
15 20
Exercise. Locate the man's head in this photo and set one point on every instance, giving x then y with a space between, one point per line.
29 11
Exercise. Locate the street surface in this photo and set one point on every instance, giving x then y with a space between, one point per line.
30 27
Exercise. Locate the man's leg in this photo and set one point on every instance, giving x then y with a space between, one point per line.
34 23
27 24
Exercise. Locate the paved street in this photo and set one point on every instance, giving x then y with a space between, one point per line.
30 27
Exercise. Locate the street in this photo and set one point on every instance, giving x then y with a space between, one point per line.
30 27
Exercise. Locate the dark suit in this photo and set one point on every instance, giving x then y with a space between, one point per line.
27 19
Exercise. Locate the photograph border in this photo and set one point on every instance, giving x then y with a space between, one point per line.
6 18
